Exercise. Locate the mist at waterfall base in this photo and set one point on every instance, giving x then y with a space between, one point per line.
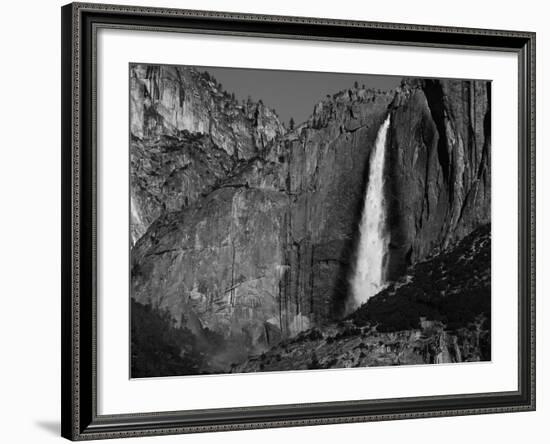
369 272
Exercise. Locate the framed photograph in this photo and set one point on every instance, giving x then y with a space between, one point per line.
277 221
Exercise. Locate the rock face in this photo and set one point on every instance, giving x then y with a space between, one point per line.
327 158
439 166
171 172
186 135
217 264
248 229
169 99
411 322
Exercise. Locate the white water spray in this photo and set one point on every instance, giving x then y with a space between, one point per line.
369 274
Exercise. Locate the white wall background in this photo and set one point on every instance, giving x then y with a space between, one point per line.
30 221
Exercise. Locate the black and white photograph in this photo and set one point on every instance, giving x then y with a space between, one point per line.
285 220
274 222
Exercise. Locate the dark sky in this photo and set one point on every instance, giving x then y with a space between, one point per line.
292 93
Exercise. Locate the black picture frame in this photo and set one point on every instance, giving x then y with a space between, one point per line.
80 420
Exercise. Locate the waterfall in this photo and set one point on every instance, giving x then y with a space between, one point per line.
369 275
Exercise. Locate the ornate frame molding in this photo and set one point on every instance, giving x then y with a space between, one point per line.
80 420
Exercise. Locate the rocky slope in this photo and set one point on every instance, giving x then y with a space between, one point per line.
168 99
171 172
438 313
183 126
247 229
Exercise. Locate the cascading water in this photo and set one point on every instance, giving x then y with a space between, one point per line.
368 277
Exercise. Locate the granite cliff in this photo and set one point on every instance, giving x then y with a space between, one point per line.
246 228
438 312
439 166
187 134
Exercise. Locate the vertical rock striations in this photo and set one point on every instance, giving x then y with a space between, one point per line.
170 99
249 230
439 166
327 161
187 134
